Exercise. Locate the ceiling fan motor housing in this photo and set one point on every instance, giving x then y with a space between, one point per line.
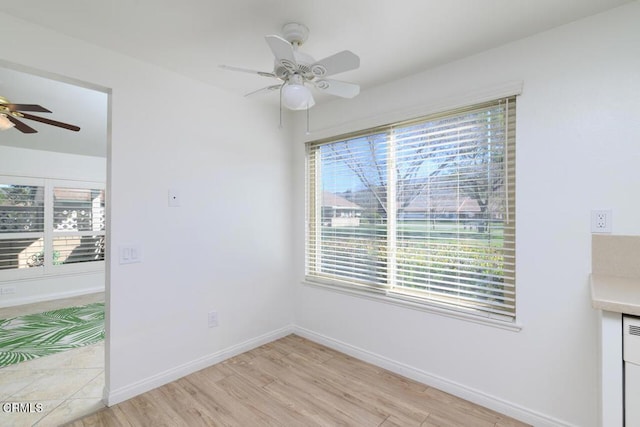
305 66
295 33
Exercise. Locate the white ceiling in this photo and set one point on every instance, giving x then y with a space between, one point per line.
68 103
394 39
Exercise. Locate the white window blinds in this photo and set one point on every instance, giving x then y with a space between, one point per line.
50 227
421 210
21 226
78 225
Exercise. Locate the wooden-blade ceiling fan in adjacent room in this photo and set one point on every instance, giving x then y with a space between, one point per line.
11 115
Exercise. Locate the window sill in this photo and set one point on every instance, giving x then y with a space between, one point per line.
411 303
19 275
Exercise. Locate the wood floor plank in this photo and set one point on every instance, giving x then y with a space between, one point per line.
148 409
446 406
341 411
246 366
309 349
369 372
341 397
296 382
270 369
269 411
215 373
193 412
220 405
394 421
386 383
373 398
454 419
108 417
315 412
274 350
505 421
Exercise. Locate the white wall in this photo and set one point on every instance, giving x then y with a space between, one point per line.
47 164
227 248
43 164
578 137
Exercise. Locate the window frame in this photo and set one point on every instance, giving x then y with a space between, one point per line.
49 269
388 292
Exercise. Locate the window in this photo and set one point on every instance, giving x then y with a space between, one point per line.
47 225
78 225
422 211
21 226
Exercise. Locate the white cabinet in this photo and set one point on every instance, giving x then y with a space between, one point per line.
631 352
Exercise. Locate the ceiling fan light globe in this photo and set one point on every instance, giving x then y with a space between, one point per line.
297 97
5 123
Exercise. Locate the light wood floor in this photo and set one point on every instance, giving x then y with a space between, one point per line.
295 382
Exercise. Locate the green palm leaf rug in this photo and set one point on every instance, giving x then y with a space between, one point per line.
35 335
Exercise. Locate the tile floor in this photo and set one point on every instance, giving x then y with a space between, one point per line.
68 385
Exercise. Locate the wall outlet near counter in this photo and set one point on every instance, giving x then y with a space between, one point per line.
601 221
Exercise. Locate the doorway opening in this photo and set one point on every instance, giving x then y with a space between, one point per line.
54 245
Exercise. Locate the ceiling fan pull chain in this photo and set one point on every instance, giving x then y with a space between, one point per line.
308 120
280 126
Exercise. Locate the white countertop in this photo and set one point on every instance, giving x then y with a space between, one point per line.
617 294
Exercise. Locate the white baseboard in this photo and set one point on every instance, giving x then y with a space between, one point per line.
500 405
114 397
451 387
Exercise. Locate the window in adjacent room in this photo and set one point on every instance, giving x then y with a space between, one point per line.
21 226
78 225
421 211
46 226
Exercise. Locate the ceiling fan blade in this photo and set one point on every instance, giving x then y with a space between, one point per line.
26 107
264 89
22 127
283 51
338 88
334 64
51 122
246 70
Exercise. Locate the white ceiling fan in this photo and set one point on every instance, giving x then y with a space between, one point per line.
297 71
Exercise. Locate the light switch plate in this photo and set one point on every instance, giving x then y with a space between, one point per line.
129 254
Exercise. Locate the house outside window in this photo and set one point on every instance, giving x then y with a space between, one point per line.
78 225
50 227
421 211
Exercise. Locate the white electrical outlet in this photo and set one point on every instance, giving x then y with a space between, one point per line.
213 319
601 221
